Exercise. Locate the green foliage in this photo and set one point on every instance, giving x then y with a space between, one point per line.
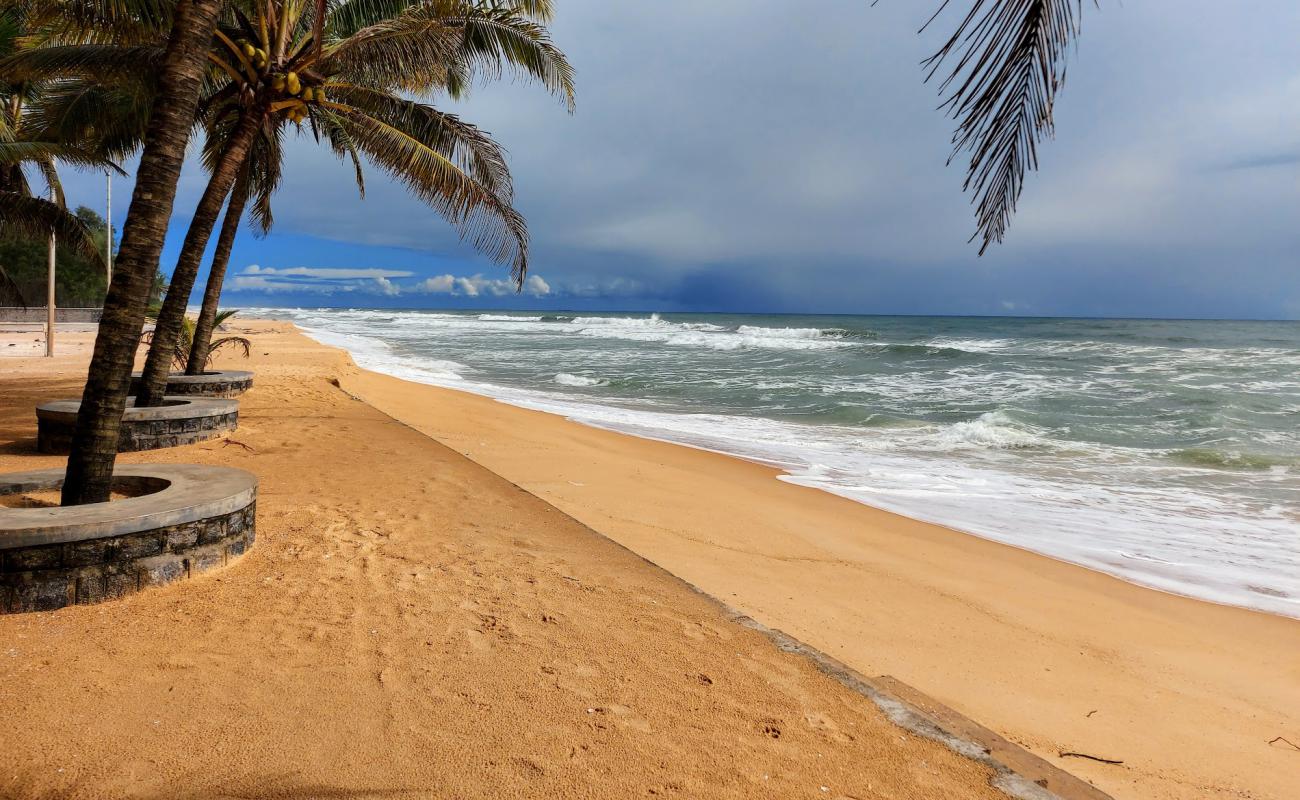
79 280
181 353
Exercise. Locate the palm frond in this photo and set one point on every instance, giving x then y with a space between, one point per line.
1008 62
122 22
37 217
105 119
45 164
263 174
501 40
471 149
350 16
43 151
340 141
410 51
482 218
185 340
236 342
539 10
100 62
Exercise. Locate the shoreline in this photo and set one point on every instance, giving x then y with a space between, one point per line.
368 494
1126 561
1041 637
401 600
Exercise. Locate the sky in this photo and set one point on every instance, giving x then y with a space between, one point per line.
753 155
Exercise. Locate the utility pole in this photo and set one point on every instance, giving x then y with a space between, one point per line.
49 297
108 228
49 303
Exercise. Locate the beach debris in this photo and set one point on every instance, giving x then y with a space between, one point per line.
1069 754
1284 740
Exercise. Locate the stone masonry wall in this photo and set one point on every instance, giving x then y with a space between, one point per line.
214 388
56 437
225 389
46 577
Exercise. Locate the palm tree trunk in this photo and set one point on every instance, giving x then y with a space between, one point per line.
167 330
216 276
94 444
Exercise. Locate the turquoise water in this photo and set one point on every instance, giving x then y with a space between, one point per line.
1164 452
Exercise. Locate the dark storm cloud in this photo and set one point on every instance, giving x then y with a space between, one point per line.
786 156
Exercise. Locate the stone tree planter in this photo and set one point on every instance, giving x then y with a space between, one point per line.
181 519
182 420
225 383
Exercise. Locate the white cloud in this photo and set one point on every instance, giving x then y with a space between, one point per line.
441 284
258 283
328 280
328 273
537 286
479 286
385 286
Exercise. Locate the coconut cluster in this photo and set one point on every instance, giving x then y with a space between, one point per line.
287 83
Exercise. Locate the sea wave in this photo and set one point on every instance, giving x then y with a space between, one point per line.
1233 460
995 430
569 379
655 329
1171 466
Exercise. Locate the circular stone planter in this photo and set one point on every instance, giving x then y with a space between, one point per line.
184 519
183 420
226 383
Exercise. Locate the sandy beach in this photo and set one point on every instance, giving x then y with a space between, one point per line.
426 613
411 625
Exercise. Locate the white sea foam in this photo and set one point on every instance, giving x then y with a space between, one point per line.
569 379
1142 513
701 334
995 430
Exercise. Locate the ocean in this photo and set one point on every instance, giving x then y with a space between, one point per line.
1166 453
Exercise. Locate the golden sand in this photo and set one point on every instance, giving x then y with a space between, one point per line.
411 625
410 621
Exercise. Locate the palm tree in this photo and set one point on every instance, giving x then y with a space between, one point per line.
379 49
1008 60
345 83
179 75
200 348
